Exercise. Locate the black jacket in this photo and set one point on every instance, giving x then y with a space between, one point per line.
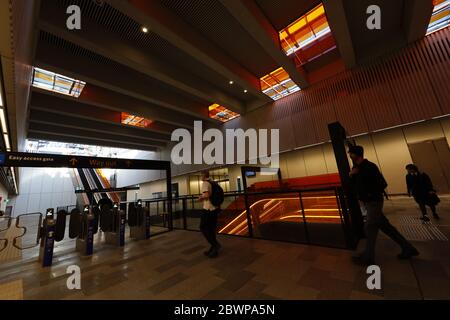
368 183
419 185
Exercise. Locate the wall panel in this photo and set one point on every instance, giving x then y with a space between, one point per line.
315 161
399 88
393 155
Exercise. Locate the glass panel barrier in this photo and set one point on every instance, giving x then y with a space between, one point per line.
277 217
177 213
323 217
233 218
158 214
193 212
312 216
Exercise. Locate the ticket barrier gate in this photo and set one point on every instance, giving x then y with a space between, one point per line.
115 234
45 235
17 241
85 240
47 243
139 221
4 226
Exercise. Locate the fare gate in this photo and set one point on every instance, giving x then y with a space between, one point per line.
85 223
46 230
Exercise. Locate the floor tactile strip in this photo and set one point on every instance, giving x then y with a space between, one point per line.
415 229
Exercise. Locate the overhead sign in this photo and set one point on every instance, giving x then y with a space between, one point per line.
106 190
23 159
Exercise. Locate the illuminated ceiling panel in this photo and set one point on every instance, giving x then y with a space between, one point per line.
278 84
221 113
135 121
55 82
308 37
440 17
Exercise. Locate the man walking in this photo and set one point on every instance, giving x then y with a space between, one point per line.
369 185
208 221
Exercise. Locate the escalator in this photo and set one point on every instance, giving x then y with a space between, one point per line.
88 180
115 197
80 183
97 182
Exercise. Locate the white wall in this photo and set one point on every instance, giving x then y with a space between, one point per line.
42 188
131 177
146 190
4 195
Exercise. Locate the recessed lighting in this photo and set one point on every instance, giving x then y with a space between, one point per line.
6 138
245 91
231 82
144 29
3 121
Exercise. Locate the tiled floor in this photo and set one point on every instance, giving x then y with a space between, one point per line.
172 266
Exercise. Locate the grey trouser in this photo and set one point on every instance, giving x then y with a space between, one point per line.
376 220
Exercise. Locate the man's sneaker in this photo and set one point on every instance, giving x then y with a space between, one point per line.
362 261
214 253
207 253
425 218
436 216
408 253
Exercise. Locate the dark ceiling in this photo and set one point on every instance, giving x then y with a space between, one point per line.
185 62
282 13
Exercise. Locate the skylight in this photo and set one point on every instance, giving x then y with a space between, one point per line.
308 37
55 82
218 112
54 147
440 17
135 121
278 84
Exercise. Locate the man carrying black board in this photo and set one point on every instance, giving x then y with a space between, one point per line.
369 185
212 198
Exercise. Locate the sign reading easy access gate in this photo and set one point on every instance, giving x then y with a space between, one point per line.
22 159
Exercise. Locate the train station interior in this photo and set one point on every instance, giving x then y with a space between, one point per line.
113 111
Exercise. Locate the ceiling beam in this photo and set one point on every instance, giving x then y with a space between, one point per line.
109 104
166 24
88 141
50 118
87 133
416 18
96 39
248 14
105 82
99 115
339 27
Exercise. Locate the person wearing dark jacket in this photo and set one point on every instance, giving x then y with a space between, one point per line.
419 185
369 184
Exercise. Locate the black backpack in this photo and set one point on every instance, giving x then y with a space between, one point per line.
216 196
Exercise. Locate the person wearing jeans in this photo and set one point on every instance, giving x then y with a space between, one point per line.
369 185
208 220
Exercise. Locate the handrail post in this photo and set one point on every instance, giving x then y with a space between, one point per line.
350 238
184 204
249 219
308 239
